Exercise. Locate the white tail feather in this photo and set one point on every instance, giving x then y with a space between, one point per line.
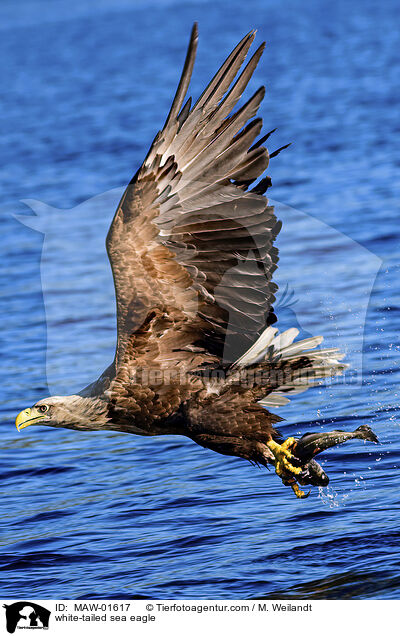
274 399
257 352
273 346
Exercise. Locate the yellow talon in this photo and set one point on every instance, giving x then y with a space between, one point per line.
283 466
282 455
298 492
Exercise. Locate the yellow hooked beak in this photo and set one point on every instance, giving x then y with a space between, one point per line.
25 418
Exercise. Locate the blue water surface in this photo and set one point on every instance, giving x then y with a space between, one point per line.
107 515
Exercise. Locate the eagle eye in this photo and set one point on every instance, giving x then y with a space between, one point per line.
42 408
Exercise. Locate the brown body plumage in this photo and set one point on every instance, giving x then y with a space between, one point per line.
192 255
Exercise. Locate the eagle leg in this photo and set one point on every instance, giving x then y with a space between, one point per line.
283 457
283 466
300 494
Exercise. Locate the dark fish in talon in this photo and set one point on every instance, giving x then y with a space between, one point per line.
313 443
304 449
313 475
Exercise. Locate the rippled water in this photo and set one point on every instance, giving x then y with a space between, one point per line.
117 516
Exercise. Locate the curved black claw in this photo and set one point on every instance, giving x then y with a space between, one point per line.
300 494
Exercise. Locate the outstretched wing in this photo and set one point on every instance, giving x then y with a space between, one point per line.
189 238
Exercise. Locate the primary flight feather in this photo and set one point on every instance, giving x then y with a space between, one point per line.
192 255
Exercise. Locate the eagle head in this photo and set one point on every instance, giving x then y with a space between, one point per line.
69 411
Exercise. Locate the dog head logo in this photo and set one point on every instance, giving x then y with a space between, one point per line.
26 615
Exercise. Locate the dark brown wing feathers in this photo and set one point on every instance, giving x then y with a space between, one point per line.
188 237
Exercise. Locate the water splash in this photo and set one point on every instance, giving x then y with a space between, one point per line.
331 498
